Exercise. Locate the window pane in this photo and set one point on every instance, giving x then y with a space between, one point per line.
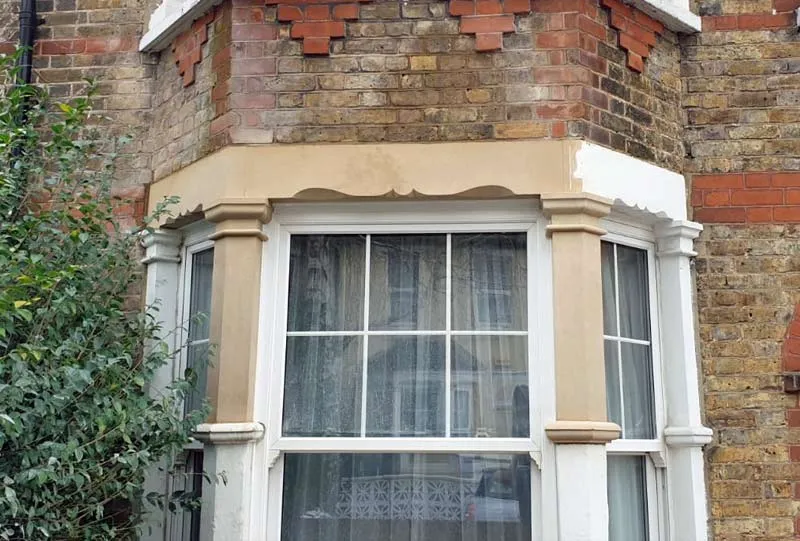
200 294
613 391
634 316
627 499
609 289
326 283
489 281
405 386
407 282
406 497
637 389
197 364
322 394
492 371
193 486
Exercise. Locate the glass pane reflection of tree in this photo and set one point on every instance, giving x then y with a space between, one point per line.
406 497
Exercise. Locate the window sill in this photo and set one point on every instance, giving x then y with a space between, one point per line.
165 27
675 17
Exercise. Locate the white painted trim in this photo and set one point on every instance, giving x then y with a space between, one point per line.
674 14
634 183
406 217
229 433
171 18
684 434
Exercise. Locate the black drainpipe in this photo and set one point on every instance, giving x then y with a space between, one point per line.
27 35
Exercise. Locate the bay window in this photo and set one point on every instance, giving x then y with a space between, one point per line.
405 404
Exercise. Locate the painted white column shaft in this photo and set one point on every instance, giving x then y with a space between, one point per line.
582 492
685 435
162 258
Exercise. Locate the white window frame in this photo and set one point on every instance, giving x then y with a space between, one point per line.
654 451
407 218
195 239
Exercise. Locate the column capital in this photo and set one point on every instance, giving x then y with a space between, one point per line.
161 246
239 217
587 432
229 433
688 436
676 238
575 212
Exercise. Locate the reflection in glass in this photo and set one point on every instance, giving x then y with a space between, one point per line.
609 289
406 497
199 326
634 319
613 391
637 388
489 281
326 283
627 499
322 395
405 386
490 370
407 282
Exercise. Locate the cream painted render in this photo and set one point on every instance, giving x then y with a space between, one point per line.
582 188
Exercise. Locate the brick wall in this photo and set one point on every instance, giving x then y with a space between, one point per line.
421 71
742 83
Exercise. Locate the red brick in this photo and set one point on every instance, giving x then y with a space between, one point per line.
619 21
592 27
458 8
757 180
785 5
730 180
488 7
786 214
756 197
487 24
559 129
317 46
793 418
722 22
254 32
557 40
618 6
648 22
761 22
635 62
794 453
516 6
561 74
347 12
557 6
488 42
642 34
793 197
318 29
594 97
567 111
759 215
720 198
786 179
721 215
62 46
110 45
250 14
318 13
629 43
289 13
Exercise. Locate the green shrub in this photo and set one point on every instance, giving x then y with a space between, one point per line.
78 426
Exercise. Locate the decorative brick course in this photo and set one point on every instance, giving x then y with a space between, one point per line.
188 47
637 32
316 22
